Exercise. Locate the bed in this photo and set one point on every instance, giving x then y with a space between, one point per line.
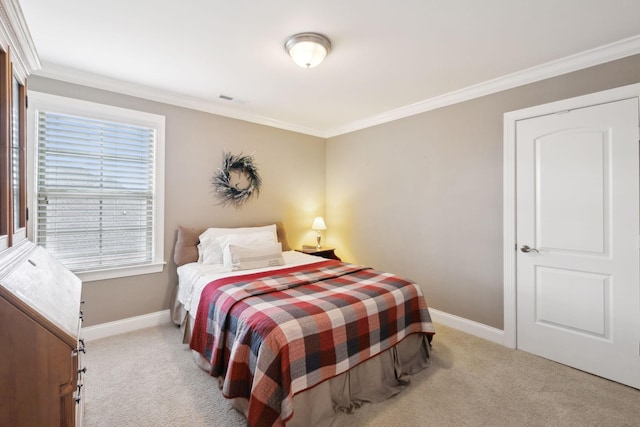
294 338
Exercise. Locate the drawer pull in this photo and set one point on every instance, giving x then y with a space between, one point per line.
78 398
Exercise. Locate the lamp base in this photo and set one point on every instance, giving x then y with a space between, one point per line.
318 238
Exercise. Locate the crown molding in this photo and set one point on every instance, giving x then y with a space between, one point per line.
15 35
70 75
589 58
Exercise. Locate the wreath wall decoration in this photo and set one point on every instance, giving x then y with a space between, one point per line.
237 180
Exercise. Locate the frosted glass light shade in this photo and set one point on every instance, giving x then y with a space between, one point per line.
308 49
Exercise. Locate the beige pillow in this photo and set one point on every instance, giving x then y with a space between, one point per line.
282 236
186 249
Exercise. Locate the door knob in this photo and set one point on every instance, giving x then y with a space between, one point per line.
526 249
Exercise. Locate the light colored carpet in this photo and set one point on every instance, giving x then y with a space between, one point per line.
148 378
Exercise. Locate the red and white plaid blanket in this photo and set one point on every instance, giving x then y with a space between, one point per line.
271 335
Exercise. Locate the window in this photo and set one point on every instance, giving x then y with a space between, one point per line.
98 193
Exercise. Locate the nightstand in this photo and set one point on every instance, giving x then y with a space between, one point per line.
323 252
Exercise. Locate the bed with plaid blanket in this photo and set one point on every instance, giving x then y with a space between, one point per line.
271 335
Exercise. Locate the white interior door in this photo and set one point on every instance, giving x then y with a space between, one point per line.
577 227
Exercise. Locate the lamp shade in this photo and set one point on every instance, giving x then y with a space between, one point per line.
307 49
318 224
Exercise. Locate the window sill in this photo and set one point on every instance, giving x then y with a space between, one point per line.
113 273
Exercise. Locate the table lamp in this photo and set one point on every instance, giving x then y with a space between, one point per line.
318 225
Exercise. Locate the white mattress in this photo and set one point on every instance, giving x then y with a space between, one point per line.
193 277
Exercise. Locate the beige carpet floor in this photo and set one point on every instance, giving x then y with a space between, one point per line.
148 378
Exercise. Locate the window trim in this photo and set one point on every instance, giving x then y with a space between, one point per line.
9 73
5 158
46 102
20 233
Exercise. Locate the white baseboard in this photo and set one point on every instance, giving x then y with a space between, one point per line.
470 327
122 326
131 324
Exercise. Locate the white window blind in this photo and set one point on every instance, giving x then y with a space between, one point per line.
95 191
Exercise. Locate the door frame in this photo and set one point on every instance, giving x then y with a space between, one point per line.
509 188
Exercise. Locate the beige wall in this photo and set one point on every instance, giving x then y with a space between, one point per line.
291 165
422 196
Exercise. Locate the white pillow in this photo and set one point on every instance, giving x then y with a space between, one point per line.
210 251
245 258
247 240
200 251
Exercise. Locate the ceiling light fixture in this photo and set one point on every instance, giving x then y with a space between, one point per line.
308 49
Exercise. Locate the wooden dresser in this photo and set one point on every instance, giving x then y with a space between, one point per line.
40 349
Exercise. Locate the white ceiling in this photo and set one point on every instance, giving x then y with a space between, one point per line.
389 58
